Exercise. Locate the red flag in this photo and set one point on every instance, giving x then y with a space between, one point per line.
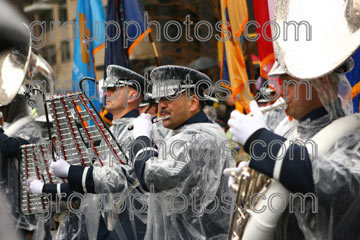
265 45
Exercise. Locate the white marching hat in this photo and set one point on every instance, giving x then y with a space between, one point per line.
328 34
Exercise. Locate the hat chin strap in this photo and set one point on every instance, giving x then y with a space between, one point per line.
205 95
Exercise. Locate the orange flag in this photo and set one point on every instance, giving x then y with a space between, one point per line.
235 12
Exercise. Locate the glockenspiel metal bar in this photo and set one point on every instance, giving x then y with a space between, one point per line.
101 129
74 140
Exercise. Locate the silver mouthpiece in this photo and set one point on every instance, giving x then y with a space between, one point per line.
279 104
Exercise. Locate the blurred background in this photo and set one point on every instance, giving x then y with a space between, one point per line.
59 52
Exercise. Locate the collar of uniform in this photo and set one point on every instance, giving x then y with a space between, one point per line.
132 114
315 114
320 112
200 117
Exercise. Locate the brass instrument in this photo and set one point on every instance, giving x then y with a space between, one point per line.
21 66
279 104
248 182
248 186
14 65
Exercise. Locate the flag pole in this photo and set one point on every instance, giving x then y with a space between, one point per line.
155 50
251 69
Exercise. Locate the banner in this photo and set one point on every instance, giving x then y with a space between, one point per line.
233 63
89 39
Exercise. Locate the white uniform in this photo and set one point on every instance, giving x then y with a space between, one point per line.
189 197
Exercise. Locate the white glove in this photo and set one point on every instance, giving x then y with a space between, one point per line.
60 168
35 186
142 126
243 126
228 171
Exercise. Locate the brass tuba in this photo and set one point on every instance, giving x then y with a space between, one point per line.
248 182
14 65
22 71
39 76
40 70
249 187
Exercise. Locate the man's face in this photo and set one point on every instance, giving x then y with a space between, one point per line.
179 111
300 96
115 98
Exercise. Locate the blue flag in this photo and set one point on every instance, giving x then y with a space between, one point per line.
134 27
126 16
89 38
225 71
354 77
115 53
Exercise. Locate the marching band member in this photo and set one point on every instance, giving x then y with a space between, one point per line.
326 166
184 174
19 126
20 129
123 96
